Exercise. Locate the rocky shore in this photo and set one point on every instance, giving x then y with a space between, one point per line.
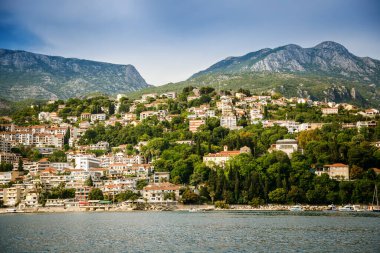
149 207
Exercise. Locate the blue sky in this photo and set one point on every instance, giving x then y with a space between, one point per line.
169 40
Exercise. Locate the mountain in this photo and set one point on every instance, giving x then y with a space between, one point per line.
326 58
28 75
327 71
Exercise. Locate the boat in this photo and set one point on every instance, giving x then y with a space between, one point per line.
331 208
377 207
196 210
347 208
296 208
11 210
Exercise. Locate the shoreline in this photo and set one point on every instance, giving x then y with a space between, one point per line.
177 208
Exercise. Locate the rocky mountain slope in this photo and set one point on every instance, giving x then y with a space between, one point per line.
27 75
327 71
327 58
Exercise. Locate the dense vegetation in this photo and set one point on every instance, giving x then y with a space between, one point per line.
259 177
255 178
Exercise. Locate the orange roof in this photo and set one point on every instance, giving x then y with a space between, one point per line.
162 186
49 170
224 154
336 165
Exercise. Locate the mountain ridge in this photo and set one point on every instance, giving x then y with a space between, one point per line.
25 75
327 57
291 78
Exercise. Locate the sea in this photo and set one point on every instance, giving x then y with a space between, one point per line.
215 231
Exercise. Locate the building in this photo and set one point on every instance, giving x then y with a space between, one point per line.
9 157
194 124
221 158
5 146
327 111
98 117
86 162
161 177
31 198
337 171
228 121
169 94
161 193
13 195
101 145
145 97
287 146
82 193
8 176
147 114
85 116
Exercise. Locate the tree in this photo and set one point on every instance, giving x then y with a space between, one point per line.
95 194
278 196
20 165
189 197
67 137
89 181
296 194
140 184
6 166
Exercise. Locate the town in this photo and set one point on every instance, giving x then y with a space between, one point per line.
194 147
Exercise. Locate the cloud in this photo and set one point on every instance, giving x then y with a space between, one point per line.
169 40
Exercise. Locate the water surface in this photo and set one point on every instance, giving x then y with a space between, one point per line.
189 232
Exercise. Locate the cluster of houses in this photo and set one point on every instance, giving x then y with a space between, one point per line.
115 172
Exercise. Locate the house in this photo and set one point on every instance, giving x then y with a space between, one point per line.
195 124
287 145
147 114
13 195
221 158
101 145
145 97
31 198
50 178
228 121
161 193
8 176
371 113
82 193
328 111
85 116
9 157
169 94
98 117
160 177
337 171
86 162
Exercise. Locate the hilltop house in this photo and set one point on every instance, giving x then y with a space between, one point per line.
338 171
287 145
220 158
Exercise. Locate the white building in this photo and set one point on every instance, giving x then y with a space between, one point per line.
86 162
287 145
337 171
156 193
98 116
228 121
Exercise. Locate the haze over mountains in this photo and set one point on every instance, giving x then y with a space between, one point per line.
28 75
327 71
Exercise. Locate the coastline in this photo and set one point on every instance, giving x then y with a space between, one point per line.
157 208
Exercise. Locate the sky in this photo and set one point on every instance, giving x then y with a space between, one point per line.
169 40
